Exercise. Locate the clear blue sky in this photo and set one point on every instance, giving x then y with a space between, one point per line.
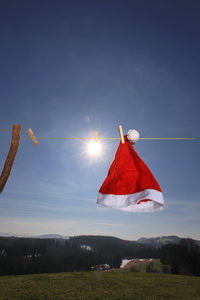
68 68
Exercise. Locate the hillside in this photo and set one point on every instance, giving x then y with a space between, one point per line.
141 265
99 285
109 244
152 241
20 256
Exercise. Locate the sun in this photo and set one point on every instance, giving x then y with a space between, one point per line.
94 148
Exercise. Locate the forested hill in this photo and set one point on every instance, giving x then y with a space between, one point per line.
86 253
123 248
83 253
103 245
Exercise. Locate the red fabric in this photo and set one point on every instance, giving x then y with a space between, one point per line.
145 200
128 173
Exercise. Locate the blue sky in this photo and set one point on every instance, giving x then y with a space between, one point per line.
68 68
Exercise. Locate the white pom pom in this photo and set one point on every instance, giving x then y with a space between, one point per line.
133 135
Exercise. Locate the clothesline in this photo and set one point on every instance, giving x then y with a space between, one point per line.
108 138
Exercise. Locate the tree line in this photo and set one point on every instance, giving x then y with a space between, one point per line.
183 258
31 255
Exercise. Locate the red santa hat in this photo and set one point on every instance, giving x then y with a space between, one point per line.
130 185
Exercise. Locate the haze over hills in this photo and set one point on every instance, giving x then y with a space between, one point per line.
44 236
153 241
159 241
162 240
51 236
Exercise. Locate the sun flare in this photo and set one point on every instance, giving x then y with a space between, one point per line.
94 148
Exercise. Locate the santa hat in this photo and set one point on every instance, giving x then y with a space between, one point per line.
130 185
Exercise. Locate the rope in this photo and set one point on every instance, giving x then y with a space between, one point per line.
192 138
105 138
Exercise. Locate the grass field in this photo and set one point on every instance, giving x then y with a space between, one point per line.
99 285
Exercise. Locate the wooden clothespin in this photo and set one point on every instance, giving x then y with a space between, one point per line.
96 136
121 134
31 134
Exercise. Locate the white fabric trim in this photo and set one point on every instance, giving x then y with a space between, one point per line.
129 202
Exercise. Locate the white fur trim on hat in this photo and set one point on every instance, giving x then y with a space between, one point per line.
129 202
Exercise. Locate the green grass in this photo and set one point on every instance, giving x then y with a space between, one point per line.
99 285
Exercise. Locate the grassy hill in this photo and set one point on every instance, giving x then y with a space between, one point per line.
99 285
140 265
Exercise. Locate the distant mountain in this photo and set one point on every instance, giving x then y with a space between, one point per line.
155 242
51 236
9 234
44 236
159 241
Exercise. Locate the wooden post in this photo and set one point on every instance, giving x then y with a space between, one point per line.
11 155
30 132
121 134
